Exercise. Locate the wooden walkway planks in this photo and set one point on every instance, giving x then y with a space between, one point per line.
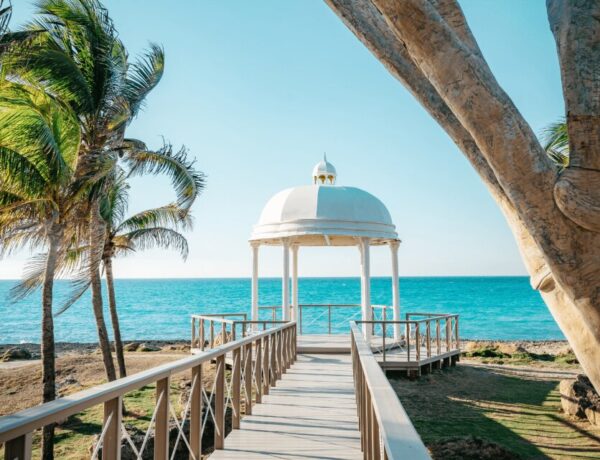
310 414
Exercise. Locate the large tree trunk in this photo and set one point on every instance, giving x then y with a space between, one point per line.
96 236
428 46
114 317
48 351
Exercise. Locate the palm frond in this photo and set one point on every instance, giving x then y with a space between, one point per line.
154 237
170 216
187 182
33 277
114 202
143 76
555 141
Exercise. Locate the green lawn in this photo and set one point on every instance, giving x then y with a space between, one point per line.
521 413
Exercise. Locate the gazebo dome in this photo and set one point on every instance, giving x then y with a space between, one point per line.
324 214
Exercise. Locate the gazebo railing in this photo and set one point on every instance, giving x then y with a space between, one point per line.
326 318
273 351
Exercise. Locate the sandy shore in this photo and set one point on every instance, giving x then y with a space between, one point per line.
551 347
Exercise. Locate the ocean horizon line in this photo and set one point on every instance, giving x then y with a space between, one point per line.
183 278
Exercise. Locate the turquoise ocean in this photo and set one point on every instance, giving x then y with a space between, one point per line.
502 308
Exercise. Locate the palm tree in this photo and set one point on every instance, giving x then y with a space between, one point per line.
555 141
83 63
151 228
40 200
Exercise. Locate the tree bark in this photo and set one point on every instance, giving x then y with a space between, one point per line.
114 317
428 46
576 29
48 350
96 236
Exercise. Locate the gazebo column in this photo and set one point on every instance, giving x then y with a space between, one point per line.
366 285
255 247
296 308
285 282
394 245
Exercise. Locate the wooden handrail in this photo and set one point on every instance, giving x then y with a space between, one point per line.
16 426
383 422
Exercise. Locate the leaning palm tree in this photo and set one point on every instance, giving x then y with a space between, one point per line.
83 63
40 200
157 227
555 141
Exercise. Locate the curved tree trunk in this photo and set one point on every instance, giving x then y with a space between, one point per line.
97 235
114 317
428 46
48 351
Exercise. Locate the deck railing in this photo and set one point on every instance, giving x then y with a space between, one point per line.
434 335
209 331
386 431
274 352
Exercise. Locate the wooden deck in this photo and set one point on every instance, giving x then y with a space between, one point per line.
310 414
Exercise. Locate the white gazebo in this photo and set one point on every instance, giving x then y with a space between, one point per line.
325 214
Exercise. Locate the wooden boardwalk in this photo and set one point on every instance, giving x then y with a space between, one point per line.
310 414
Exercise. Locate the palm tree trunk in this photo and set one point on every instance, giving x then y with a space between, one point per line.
114 317
48 351
96 235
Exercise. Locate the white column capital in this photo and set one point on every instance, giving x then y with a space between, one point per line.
394 244
285 242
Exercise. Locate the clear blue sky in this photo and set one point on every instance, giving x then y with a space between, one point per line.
259 90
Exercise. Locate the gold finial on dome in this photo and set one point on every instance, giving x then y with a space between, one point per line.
324 173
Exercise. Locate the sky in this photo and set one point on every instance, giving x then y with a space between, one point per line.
258 91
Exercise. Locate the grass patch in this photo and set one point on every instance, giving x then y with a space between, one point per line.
490 354
518 413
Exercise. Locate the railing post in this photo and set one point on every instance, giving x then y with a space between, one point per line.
280 367
236 387
265 365
196 413
18 448
111 445
161 430
407 339
448 334
418 341
294 343
274 359
363 413
193 332
202 340
369 425
375 442
223 333
286 349
248 377
258 371
219 399
438 338
428 337
383 339
212 334
300 314
456 337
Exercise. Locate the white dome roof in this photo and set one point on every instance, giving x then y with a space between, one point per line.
318 215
